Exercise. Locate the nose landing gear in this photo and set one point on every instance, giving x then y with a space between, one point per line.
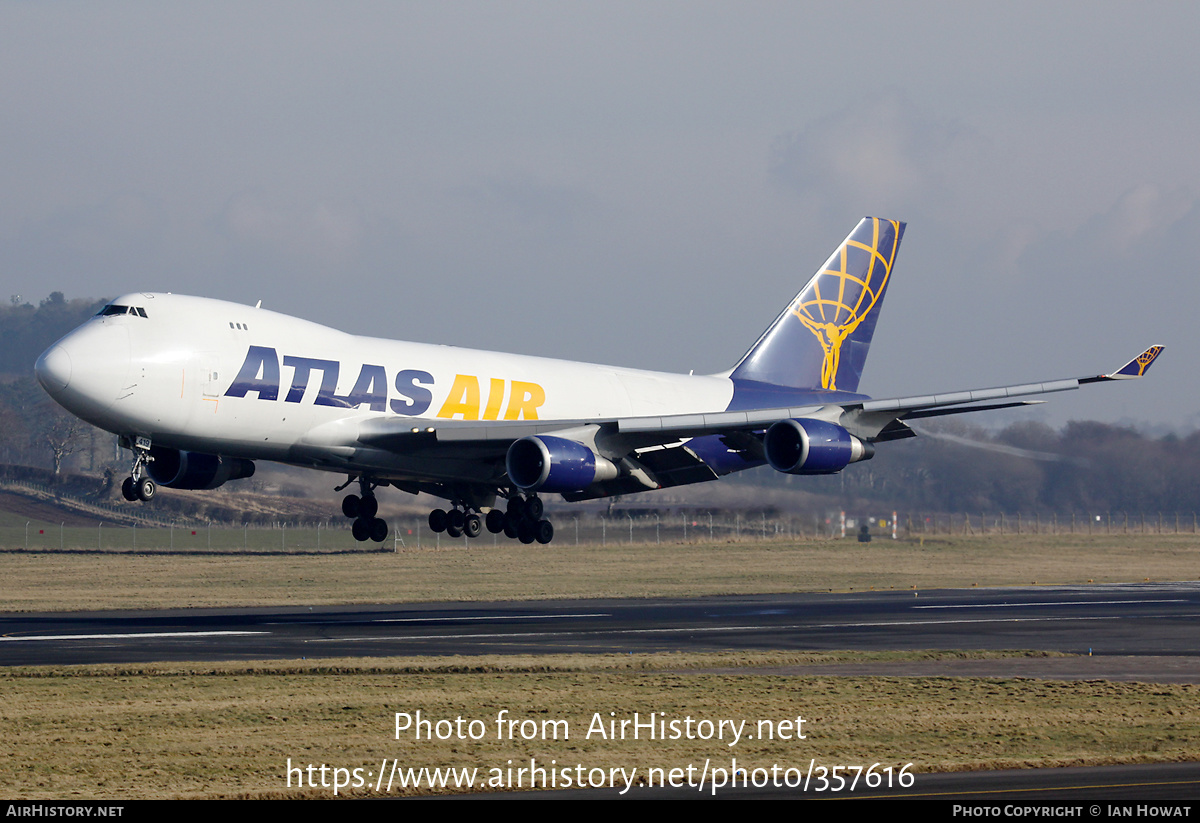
139 485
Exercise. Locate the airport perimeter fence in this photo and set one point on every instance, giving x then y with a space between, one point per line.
1108 523
412 532
405 532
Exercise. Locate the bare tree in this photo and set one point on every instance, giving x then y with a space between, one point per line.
60 433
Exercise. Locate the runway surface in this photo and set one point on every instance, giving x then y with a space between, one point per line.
1096 792
1148 622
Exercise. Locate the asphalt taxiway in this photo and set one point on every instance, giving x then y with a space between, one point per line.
1146 622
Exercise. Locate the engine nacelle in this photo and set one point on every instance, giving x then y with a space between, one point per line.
177 469
809 446
555 464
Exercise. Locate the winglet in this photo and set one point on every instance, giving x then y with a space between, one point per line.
1137 366
1134 368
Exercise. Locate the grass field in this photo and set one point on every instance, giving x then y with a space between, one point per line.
230 730
52 580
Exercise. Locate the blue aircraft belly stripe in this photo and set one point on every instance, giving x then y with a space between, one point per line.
717 455
750 394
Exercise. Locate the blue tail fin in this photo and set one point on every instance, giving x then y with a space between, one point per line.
820 340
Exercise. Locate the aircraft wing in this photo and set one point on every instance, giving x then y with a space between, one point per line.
885 417
871 419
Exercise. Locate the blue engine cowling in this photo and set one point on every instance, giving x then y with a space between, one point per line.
809 446
177 469
555 464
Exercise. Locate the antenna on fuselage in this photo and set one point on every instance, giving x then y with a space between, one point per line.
258 305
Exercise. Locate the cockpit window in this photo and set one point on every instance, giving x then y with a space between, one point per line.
113 308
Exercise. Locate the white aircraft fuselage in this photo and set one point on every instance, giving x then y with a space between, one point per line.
198 389
167 376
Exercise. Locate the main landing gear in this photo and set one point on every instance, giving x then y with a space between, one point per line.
522 521
363 508
139 486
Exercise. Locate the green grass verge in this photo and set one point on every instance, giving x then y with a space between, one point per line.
511 571
175 730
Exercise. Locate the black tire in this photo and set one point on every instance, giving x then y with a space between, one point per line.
473 525
456 518
526 532
544 531
453 531
495 521
534 509
379 530
510 528
145 489
350 506
361 530
368 507
127 490
437 521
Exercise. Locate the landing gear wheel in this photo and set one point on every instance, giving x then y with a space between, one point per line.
437 521
526 532
510 527
361 530
457 519
368 507
127 490
544 531
473 525
378 530
145 489
495 521
453 531
350 505
534 508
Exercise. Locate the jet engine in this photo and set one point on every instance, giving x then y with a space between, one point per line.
809 446
555 464
177 469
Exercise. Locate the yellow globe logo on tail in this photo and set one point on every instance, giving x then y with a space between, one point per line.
845 291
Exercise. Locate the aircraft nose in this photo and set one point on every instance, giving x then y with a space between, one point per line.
53 369
86 370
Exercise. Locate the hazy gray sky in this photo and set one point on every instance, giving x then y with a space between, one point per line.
636 183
